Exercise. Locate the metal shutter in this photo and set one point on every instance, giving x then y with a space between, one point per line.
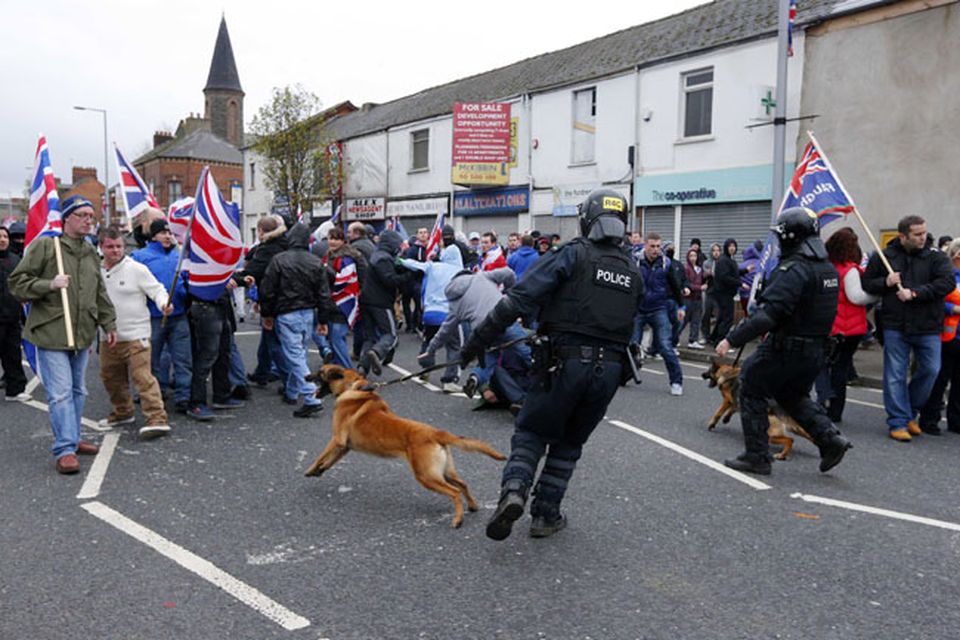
743 221
500 225
660 220
567 226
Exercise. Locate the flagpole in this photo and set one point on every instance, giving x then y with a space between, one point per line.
780 109
64 298
186 241
856 211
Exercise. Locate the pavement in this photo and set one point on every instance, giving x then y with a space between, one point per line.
213 531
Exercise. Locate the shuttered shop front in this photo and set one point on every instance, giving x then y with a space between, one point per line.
743 221
659 220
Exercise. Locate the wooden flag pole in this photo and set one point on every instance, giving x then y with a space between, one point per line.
63 294
856 210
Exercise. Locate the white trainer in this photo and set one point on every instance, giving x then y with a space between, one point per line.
152 431
23 396
676 389
114 422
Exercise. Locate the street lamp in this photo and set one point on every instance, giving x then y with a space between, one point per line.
106 163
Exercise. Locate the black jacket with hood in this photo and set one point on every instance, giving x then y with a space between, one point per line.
295 279
384 277
273 243
726 274
9 306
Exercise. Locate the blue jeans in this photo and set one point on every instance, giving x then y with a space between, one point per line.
662 340
62 373
484 370
902 401
238 372
295 330
176 338
337 339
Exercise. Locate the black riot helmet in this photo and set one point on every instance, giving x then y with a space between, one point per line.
603 216
798 229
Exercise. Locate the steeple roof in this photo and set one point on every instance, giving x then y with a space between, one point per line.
223 68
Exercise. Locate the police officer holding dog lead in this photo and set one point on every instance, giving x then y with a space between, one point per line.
587 293
796 310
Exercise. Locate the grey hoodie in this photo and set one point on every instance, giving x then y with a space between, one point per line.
472 296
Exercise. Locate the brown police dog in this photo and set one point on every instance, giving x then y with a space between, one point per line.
726 377
362 421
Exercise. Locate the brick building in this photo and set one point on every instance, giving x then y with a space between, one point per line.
172 168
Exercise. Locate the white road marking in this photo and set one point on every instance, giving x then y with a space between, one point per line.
427 385
86 422
32 385
98 470
693 455
197 565
246 333
897 515
864 403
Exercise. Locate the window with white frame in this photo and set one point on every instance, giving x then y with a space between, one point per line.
584 125
174 190
419 149
697 103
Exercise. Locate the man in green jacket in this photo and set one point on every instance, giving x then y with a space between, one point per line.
62 368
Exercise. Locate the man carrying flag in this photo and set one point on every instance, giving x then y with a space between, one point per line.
39 279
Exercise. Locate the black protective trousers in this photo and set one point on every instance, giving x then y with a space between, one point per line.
560 412
10 358
786 377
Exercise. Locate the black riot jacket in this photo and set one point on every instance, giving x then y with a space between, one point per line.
799 300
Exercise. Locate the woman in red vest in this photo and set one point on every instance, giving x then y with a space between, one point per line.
949 360
850 324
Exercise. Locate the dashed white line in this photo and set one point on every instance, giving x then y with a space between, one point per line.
202 568
98 470
86 422
693 455
427 385
32 385
887 513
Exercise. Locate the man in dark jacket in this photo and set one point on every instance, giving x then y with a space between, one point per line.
662 285
467 256
14 379
377 295
293 300
911 315
272 240
411 300
359 240
726 284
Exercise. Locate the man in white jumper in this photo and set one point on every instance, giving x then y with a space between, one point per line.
129 284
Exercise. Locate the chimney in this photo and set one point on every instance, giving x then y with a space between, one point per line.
367 106
79 173
160 137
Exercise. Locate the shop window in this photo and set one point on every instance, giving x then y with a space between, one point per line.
697 103
584 125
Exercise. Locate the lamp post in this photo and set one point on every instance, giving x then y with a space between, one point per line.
106 163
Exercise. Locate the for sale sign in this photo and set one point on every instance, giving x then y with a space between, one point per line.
481 143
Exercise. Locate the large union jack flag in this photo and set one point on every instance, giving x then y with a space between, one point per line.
213 247
43 218
178 216
136 195
346 288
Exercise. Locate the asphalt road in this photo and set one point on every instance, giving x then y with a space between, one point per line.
214 532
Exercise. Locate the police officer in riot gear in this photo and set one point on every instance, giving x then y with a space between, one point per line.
795 309
587 293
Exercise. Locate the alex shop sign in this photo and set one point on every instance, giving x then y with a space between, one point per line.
491 202
365 209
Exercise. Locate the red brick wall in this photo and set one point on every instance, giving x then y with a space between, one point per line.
162 171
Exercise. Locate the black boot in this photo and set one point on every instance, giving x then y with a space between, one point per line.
513 498
547 519
832 449
749 463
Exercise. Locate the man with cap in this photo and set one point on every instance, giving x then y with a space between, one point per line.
161 257
63 367
474 243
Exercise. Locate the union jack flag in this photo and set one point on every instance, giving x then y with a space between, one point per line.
393 223
43 218
346 288
178 216
815 186
493 258
136 195
435 243
213 247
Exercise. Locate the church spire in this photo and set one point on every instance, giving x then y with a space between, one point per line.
223 74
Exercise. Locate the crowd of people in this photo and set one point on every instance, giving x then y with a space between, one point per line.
351 293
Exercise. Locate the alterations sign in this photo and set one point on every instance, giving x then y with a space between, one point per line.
481 143
365 209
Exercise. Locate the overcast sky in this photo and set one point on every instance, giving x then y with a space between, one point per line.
146 62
